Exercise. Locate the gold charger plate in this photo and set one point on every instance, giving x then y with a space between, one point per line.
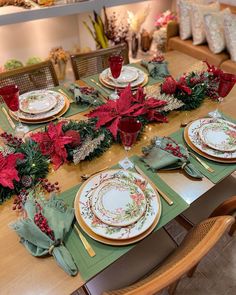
111 87
201 153
58 115
107 241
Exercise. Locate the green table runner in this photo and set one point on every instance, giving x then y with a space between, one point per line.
105 254
95 77
73 109
221 170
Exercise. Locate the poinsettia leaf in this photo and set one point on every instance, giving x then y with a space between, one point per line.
12 158
154 103
155 116
140 95
125 100
113 127
56 161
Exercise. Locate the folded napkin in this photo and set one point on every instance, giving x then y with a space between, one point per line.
59 219
157 69
165 154
86 95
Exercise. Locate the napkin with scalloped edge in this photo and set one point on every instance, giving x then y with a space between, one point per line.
165 154
157 70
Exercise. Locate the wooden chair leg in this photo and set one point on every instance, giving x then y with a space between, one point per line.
173 287
232 229
192 271
184 222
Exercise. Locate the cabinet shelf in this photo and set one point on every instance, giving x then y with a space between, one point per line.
12 14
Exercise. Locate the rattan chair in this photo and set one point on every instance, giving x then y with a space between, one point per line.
87 64
38 76
218 201
194 247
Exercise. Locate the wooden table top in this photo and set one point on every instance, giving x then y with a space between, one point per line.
21 273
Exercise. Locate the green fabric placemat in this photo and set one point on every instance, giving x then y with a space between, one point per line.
221 170
105 254
73 109
88 81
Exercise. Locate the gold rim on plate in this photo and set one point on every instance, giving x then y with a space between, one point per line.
201 153
134 87
56 116
107 241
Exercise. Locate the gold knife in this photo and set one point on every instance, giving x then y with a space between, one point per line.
86 244
164 196
100 86
13 126
205 165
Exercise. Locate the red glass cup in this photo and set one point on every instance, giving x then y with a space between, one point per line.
10 94
115 63
129 129
227 82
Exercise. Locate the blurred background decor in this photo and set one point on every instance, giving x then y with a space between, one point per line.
59 57
160 34
12 64
97 31
146 40
135 22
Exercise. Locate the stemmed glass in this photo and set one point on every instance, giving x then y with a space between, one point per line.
226 83
129 129
10 95
115 63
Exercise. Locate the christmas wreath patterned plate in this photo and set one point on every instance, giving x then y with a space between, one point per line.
88 220
219 135
105 80
127 75
193 135
38 101
118 203
54 111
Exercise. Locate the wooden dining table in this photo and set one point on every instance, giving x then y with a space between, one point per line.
23 274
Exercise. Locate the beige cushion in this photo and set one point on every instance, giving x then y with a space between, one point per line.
229 66
207 203
183 11
135 264
197 22
230 34
201 52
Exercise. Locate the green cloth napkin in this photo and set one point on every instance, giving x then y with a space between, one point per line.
165 154
85 95
39 244
106 254
157 70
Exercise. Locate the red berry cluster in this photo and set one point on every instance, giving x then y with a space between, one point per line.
48 186
19 200
87 90
158 58
42 223
11 140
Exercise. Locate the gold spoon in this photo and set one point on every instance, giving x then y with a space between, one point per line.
87 176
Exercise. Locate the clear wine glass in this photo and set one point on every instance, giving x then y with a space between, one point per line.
129 129
226 83
115 63
10 95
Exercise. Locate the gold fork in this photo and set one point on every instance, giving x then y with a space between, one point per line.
86 244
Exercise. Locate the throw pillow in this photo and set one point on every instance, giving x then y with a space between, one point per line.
214 29
197 20
183 12
230 34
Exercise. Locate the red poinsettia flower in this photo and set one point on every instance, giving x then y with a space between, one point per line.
110 114
169 85
8 171
52 143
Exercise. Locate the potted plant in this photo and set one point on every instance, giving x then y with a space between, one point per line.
59 57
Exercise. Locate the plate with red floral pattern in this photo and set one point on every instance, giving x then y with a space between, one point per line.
149 213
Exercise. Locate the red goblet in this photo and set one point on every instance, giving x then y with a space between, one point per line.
115 63
10 95
227 82
129 129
